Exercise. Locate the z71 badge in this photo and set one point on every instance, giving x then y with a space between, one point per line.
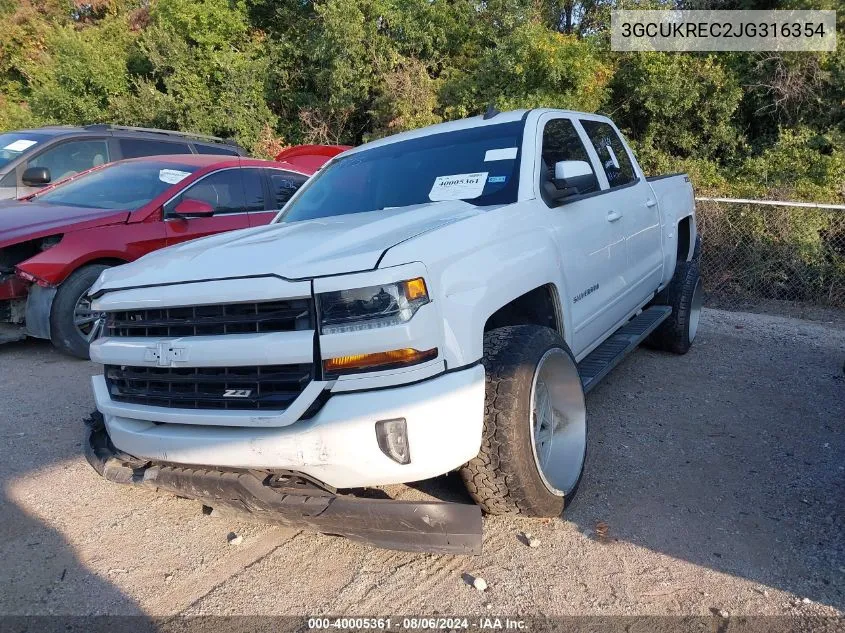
237 393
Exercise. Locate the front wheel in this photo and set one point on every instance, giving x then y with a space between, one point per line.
535 425
73 324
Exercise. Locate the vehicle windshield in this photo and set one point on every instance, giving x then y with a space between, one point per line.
13 144
479 165
119 186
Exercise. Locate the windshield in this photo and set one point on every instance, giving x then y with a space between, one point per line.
479 165
119 186
13 144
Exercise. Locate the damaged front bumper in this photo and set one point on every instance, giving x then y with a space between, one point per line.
24 308
426 526
12 307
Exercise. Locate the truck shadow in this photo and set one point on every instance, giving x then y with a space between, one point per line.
43 584
730 457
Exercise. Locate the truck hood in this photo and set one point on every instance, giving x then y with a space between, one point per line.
21 220
296 250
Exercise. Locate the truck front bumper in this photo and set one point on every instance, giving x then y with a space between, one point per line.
338 446
435 526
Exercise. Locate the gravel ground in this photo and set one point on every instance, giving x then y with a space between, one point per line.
715 481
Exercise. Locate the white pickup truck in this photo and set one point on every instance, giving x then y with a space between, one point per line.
433 301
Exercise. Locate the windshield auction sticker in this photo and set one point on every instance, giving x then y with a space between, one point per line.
172 176
723 30
458 186
506 153
20 145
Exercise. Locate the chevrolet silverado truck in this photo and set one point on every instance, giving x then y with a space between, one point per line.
434 301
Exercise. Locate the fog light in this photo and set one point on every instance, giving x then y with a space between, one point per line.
392 437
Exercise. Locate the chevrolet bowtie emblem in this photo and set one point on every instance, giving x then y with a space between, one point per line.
165 354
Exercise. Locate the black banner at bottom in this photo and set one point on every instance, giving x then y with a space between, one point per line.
515 624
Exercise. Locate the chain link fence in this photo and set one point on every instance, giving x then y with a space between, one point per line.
763 258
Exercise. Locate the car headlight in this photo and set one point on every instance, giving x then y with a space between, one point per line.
49 242
372 307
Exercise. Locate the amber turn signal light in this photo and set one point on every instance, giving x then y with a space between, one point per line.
415 289
378 361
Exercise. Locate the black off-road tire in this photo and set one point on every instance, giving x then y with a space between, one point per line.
503 477
63 333
696 251
673 335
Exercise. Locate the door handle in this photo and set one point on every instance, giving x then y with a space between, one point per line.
650 202
612 216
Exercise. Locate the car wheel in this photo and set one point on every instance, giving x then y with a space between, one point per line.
534 442
73 324
685 295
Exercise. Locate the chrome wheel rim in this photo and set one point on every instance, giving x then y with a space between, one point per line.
558 422
87 322
695 309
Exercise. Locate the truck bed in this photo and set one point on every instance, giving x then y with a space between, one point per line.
673 193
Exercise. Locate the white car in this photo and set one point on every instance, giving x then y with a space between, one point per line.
436 300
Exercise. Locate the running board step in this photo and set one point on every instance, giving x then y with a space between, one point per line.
598 363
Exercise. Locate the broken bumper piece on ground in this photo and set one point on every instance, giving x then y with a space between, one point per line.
426 526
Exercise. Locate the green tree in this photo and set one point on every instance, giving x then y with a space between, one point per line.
199 67
84 71
531 67
680 105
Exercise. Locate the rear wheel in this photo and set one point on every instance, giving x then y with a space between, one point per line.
686 296
73 324
535 428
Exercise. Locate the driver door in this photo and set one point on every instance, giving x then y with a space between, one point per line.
65 159
224 191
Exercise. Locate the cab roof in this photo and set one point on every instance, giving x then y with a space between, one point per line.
493 118
449 126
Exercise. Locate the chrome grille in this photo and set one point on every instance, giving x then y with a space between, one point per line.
263 387
231 318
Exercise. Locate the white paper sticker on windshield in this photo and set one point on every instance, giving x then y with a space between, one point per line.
172 176
506 153
458 187
613 158
20 145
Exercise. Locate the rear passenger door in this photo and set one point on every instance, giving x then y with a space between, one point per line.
282 184
255 195
224 191
630 200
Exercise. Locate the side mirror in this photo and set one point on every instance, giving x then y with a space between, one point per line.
36 176
574 177
191 208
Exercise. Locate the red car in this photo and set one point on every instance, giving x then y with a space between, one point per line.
54 244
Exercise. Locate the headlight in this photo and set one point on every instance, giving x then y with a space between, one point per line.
372 307
49 242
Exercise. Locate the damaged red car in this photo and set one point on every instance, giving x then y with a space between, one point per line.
54 244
